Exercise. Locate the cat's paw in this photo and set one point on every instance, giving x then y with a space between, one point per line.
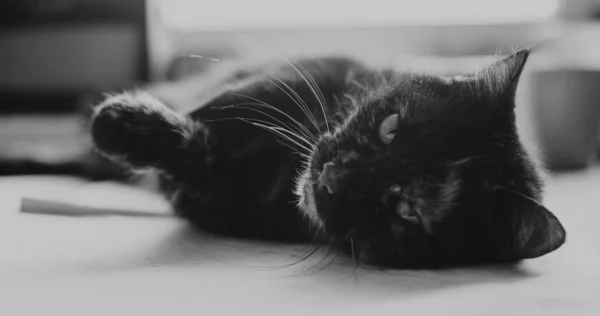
136 128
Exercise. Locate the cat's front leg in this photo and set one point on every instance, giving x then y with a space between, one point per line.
137 129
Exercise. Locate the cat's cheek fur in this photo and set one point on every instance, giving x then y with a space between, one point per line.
306 199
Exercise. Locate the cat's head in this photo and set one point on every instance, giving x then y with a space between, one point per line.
430 172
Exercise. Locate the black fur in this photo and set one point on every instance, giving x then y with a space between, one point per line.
456 160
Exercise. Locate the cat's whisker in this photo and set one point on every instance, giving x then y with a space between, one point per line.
314 82
314 250
282 128
305 156
304 107
320 96
276 130
283 125
310 86
294 150
311 248
315 267
353 253
293 96
332 261
268 128
353 256
216 60
305 257
299 101
247 120
306 132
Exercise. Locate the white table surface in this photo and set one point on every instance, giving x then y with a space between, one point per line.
54 265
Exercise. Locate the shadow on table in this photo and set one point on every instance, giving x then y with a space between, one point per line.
323 271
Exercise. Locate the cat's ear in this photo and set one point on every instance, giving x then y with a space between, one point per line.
137 129
534 230
502 77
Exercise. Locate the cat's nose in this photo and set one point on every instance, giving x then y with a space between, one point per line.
329 177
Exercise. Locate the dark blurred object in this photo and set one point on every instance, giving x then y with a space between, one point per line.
89 166
52 51
52 144
565 92
26 102
580 10
17 13
60 143
567 107
56 58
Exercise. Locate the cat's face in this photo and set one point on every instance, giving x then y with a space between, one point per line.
431 173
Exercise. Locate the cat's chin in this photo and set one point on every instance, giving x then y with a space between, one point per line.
306 198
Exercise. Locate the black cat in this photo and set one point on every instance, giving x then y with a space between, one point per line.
401 170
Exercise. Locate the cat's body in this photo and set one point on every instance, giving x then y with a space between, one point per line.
386 166
244 183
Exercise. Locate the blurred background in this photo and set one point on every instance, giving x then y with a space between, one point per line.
58 56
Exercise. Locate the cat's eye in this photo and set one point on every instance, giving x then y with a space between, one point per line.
407 212
387 129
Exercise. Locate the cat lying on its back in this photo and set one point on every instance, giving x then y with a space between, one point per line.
402 170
